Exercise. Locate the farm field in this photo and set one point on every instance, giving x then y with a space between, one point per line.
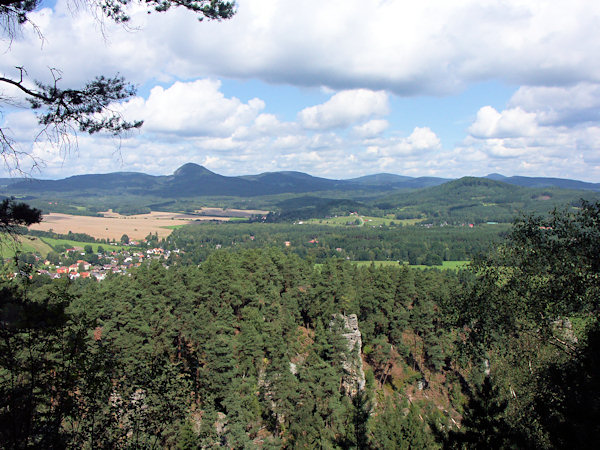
362 221
227 212
27 244
113 226
53 243
33 244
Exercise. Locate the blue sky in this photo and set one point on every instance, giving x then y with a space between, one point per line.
436 88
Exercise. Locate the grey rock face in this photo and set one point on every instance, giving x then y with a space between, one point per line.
354 376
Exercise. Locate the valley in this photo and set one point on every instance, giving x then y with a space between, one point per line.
347 316
262 225
294 196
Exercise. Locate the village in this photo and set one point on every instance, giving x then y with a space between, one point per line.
80 262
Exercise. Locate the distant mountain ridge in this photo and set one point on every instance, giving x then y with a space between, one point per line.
541 182
191 180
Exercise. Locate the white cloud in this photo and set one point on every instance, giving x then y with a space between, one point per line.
421 140
344 109
290 142
20 124
196 108
569 105
512 122
359 59
544 131
407 48
371 129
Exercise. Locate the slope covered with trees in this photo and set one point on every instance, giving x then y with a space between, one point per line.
243 350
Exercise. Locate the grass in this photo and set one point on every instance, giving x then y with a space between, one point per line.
25 244
33 244
70 243
363 221
377 263
173 227
446 265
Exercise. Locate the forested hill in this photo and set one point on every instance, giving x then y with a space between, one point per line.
292 196
545 182
192 180
469 199
466 200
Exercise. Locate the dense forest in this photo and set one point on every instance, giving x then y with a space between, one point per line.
255 348
412 244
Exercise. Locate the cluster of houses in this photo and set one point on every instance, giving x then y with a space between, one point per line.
117 262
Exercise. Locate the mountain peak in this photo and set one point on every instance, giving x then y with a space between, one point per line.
191 169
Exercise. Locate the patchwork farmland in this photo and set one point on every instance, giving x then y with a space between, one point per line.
113 226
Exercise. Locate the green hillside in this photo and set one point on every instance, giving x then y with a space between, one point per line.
293 196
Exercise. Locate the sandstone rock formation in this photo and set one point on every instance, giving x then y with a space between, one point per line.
353 379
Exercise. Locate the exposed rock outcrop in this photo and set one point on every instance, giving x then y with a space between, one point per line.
353 379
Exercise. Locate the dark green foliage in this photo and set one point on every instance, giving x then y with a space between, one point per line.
15 215
548 269
219 339
130 210
569 395
244 349
210 9
17 10
81 237
479 200
81 107
321 242
187 438
519 312
484 424
400 426
49 397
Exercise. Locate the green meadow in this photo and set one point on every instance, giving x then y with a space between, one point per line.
446 265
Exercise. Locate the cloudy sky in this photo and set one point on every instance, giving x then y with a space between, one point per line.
336 88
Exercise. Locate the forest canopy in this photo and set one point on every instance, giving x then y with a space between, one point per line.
247 348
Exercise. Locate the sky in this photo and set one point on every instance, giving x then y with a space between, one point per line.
336 88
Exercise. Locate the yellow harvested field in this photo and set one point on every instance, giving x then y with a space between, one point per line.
113 225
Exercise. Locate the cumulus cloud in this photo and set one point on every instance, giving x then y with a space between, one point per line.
371 128
421 140
196 108
544 131
359 60
432 47
512 122
569 106
344 109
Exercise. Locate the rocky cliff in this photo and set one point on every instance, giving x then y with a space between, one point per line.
353 379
